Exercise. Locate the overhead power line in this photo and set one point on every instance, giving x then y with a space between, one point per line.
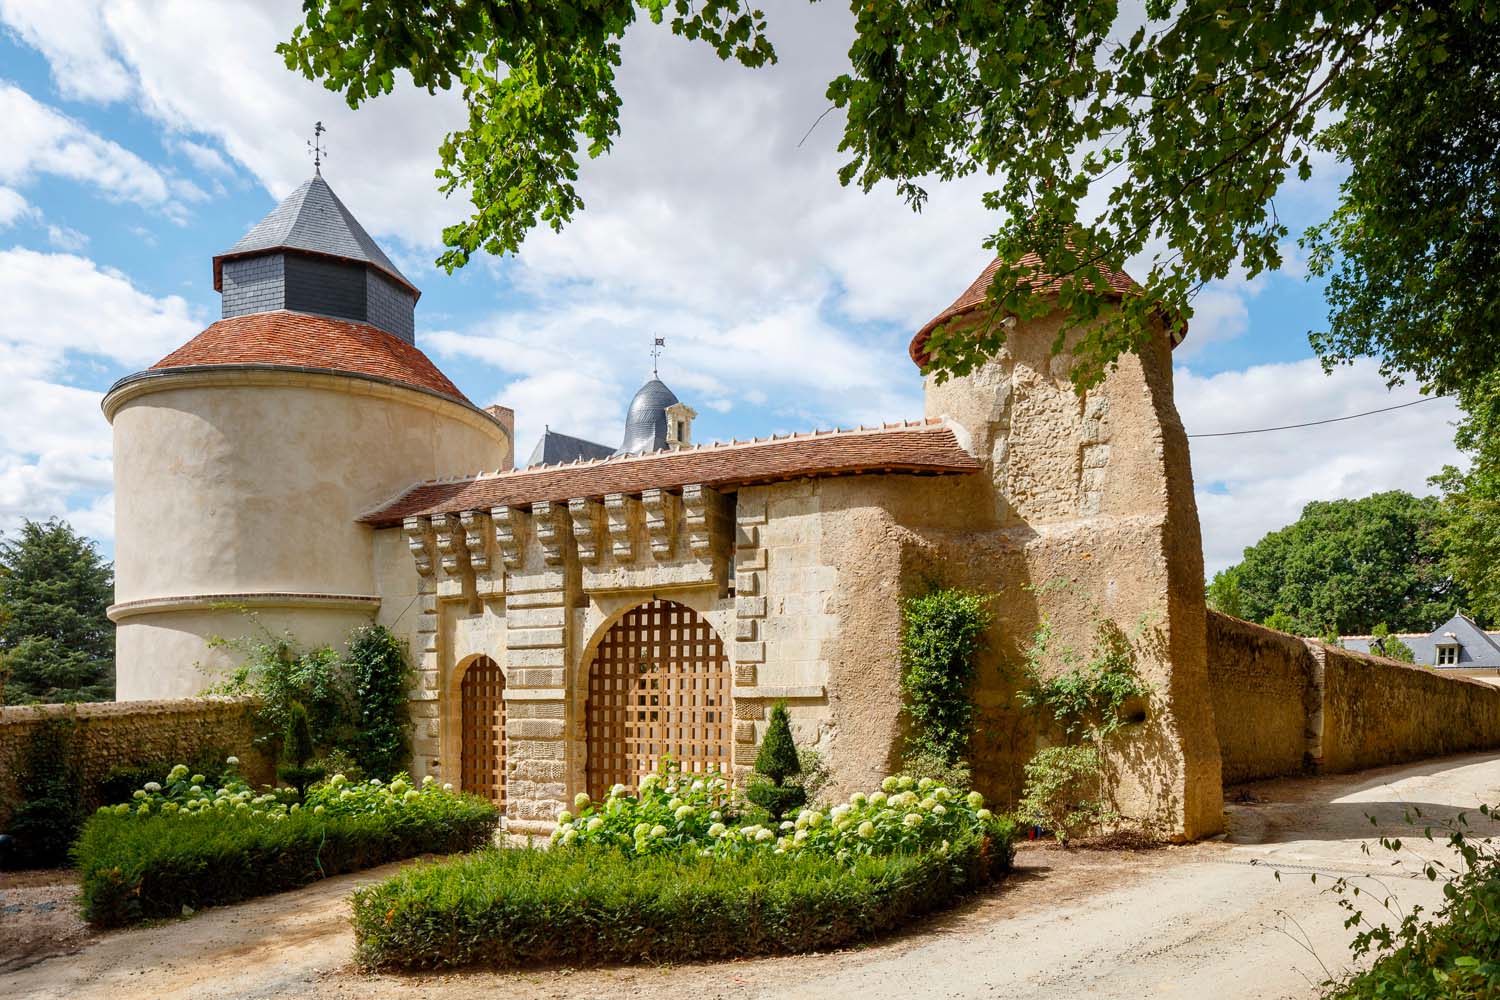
1317 423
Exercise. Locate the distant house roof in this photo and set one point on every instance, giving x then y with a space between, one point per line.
1117 285
317 343
920 448
1476 647
554 448
313 220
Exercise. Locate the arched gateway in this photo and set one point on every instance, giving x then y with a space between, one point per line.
482 747
659 684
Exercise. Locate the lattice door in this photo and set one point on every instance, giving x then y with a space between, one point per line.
659 684
482 751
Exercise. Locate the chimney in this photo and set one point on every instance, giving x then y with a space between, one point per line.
506 418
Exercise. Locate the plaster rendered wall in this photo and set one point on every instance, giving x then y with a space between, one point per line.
108 735
1267 699
1378 711
250 482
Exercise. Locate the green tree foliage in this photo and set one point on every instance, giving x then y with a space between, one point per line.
296 750
381 677
282 674
1346 566
1470 537
941 633
777 761
1383 643
56 642
1182 126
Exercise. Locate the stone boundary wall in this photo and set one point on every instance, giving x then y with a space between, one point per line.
1378 711
1264 686
108 735
1283 705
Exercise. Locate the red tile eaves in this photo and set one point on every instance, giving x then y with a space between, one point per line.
928 448
302 340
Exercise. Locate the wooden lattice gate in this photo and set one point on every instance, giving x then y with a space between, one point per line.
659 684
482 714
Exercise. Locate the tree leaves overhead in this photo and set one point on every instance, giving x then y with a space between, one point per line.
1109 137
1471 534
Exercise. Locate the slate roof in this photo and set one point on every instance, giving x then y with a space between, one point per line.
1476 647
554 448
1117 285
921 448
283 339
646 421
313 220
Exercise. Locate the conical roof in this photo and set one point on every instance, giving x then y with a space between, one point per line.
313 220
646 423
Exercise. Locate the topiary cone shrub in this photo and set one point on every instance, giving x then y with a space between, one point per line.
777 761
297 750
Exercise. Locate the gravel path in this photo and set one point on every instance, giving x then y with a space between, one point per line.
1204 920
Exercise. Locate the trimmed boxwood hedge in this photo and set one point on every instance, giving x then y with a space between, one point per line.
139 867
521 906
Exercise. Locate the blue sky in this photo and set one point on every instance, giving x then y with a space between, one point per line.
131 157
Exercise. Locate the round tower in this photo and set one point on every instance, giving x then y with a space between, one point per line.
243 458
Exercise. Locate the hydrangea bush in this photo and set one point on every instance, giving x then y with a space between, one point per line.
187 794
671 811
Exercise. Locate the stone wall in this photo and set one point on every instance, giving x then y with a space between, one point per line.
1378 711
108 735
1265 696
1283 705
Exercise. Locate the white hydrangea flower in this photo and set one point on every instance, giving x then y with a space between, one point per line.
641 829
925 784
581 800
942 794
140 793
799 836
564 817
859 800
840 811
878 799
682 812
912 820
763 835
815 819
940 810
890 784
985 815
658 831
595 823
122 809
617 791
317 810
904 782
866 830
232 761
974 799
802 821
196 789
197 779
428 779
787 824
569 837
447 786
717 830
928 804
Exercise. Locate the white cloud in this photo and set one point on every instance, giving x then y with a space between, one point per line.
62 310
41 140
66 238
73 38
13 207
203 157
1251 484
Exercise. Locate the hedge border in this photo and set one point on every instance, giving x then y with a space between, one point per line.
515 907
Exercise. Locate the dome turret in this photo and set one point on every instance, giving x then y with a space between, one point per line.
646 425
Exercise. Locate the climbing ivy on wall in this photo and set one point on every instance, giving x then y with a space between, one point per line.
381 676
941 633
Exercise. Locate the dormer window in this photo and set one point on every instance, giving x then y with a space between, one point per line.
1447 655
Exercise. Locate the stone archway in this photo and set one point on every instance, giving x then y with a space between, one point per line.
482 730
659 684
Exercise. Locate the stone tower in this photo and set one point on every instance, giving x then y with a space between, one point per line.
243 458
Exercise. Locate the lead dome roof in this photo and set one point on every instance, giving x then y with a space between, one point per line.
646 423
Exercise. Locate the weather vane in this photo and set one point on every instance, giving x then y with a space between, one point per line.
319 150
656 349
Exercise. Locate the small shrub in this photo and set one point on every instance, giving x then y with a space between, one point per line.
777 761
813 775
925 763
280 673
1062 792
153 857
596 904
47 820
123 781
297 751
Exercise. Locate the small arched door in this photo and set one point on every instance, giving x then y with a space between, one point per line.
482 721
659 684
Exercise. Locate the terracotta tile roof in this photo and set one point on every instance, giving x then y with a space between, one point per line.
1118 284
300 340
924 448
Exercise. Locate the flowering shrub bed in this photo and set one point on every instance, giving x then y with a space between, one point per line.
598 904
665 874
182 843
672 811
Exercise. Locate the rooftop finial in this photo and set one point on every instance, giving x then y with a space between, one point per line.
318 149
656 350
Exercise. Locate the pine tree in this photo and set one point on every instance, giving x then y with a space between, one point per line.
296 750
777 761
56 642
